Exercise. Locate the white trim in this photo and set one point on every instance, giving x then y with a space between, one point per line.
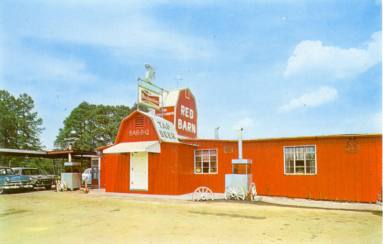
168 113
304 174
128 147
187 94
99 172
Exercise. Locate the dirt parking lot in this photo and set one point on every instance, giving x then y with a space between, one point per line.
74 217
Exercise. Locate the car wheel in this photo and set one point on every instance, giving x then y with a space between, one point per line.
48 187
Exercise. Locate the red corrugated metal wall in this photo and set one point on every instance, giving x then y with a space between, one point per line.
116 172
216 182
349 168
163 170
342 173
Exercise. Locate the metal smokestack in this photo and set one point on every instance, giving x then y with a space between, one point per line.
240 144
216 133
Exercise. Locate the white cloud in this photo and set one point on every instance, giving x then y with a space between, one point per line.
311 99
314 59
27 65
122 28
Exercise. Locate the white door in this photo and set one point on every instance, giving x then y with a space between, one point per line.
139 171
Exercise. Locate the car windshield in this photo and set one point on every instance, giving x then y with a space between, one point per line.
31 172
6 171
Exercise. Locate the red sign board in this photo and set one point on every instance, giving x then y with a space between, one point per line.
185 119
149 98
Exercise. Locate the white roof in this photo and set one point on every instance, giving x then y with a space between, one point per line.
171 98
128 147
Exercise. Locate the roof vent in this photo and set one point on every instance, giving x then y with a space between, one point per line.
139 121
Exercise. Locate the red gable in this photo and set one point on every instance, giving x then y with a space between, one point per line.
136 127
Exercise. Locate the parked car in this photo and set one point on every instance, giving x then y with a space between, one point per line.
87 176
40 177
10 181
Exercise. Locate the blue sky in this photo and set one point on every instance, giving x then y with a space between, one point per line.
277 68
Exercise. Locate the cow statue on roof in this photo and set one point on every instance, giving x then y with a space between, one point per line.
150 74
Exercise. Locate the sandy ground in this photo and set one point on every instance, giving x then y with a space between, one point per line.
74 217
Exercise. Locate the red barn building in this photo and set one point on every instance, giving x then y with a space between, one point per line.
162 155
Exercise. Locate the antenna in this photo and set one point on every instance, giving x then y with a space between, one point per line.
179 79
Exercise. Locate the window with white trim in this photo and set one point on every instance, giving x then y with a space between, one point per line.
206 161
300 160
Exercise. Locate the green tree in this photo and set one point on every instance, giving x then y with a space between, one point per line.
89 126
20 128
20 125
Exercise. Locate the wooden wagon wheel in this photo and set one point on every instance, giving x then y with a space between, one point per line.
252 191
230 193
241 194
235 193
203 193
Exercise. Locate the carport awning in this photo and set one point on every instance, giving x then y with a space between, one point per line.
128 147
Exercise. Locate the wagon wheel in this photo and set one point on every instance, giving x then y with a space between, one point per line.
252 191
230 193
235 193
203 193
241 194
227 194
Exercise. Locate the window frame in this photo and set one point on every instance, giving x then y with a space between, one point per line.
195 156
315 162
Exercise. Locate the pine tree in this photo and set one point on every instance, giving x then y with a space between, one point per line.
20 125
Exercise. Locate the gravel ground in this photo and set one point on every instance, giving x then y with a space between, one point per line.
74 217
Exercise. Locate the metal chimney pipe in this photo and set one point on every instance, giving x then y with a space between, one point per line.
216 133
240 144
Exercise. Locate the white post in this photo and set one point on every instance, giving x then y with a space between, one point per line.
99 172
216 133
240 144
69 154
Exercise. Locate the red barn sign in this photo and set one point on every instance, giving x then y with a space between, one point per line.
185 119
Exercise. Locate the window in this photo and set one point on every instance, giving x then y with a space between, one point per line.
300 160
6 171
228 149
205 161
30 172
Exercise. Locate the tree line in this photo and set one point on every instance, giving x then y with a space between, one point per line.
87 127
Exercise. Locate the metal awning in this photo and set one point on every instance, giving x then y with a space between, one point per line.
128 147
46 154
